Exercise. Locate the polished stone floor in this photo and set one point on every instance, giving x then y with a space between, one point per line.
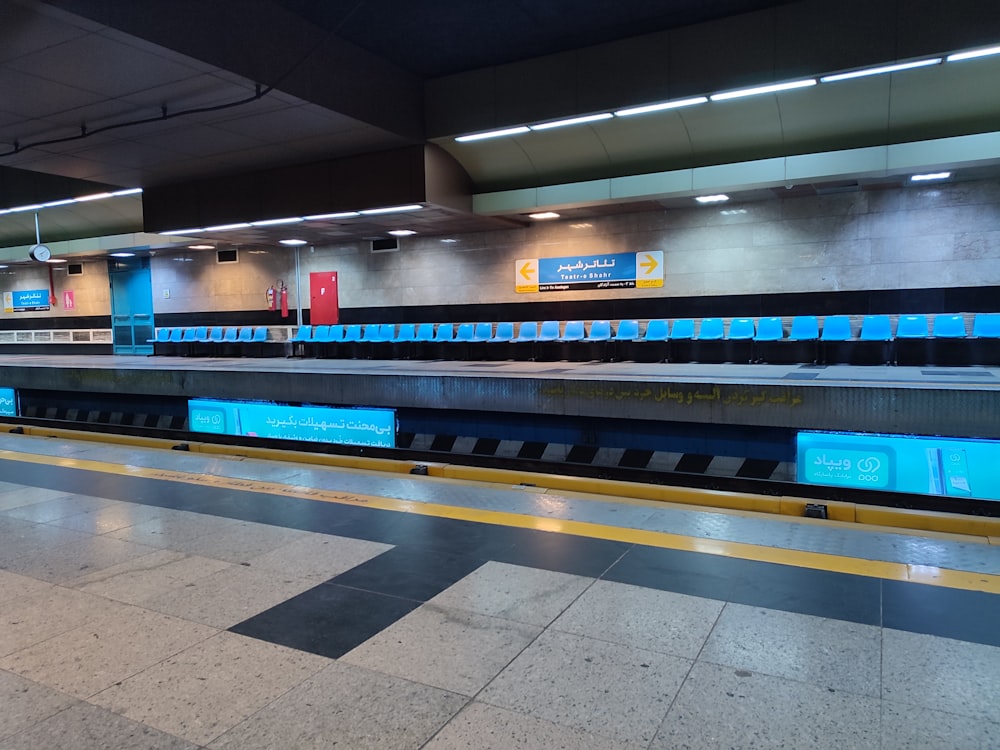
162 599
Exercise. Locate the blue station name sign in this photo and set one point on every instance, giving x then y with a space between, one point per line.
610 271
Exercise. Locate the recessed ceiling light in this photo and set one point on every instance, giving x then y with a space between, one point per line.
271 222
401 232
492 134
391 209
338 215
122 255
450 241
720 198
544 215
292 242
769 89
56 260
201 247
930 176
676 104
572 121
224 227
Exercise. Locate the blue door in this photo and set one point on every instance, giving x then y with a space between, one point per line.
131 305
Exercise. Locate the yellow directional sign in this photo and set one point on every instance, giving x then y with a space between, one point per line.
526 275
649 269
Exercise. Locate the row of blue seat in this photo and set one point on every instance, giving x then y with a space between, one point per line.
660 340
217 340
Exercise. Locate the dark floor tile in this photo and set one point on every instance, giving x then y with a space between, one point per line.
563 553
409 572
950 613
451 535
328 620
784 587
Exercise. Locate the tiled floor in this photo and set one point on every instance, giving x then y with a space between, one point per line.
143 613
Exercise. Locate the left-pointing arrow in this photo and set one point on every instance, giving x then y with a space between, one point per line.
526 271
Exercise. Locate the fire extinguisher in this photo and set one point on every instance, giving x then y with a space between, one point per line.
284 298
269 294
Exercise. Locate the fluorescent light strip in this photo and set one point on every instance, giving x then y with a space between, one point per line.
224 227
544 215
272 222
973 54
292 243
130 191
676 104
493 134
94 197
720 198
192 230
53 204
572 121
391 209
32 207
930 176
339 215
770 89
879 71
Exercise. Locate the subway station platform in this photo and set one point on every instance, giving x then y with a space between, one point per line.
164 599
726 420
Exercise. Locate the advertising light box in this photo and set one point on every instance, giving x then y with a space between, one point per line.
8 402
955 467
318 424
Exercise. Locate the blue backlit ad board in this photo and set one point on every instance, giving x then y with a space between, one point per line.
317 424
8 402
955 467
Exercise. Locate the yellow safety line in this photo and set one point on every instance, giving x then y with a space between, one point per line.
933 576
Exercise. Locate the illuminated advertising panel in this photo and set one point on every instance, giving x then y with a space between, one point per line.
8 402
955 467
317 424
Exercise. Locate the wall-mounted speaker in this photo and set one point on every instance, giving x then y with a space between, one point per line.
74 269
380 245
227 256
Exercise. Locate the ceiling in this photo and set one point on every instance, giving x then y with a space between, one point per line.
171 94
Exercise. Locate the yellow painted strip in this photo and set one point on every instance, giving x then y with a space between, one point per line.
738 550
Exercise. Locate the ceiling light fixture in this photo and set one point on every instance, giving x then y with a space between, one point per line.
401 232
292 243
572 121
492 134
122 255
720 198
676 104
880 70
32 207
544 215
201 247
930 176
53 204
56 260
973 54
272 222
769 89
391 209
92 197
449 241
339 215
224 227
191 230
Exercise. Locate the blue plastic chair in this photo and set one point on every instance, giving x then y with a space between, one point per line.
371 333
352 333
712 329
911 327
304 333
161 336
425 332
804 328
483 332
527 332
986 326
600 330
741 329
574 331
504 333
259 335
628 330
769 329
246 335
445 333
683 329
463 333
407 332
836 328
949 327
214 336
549 330
876 328
229 337
657 330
